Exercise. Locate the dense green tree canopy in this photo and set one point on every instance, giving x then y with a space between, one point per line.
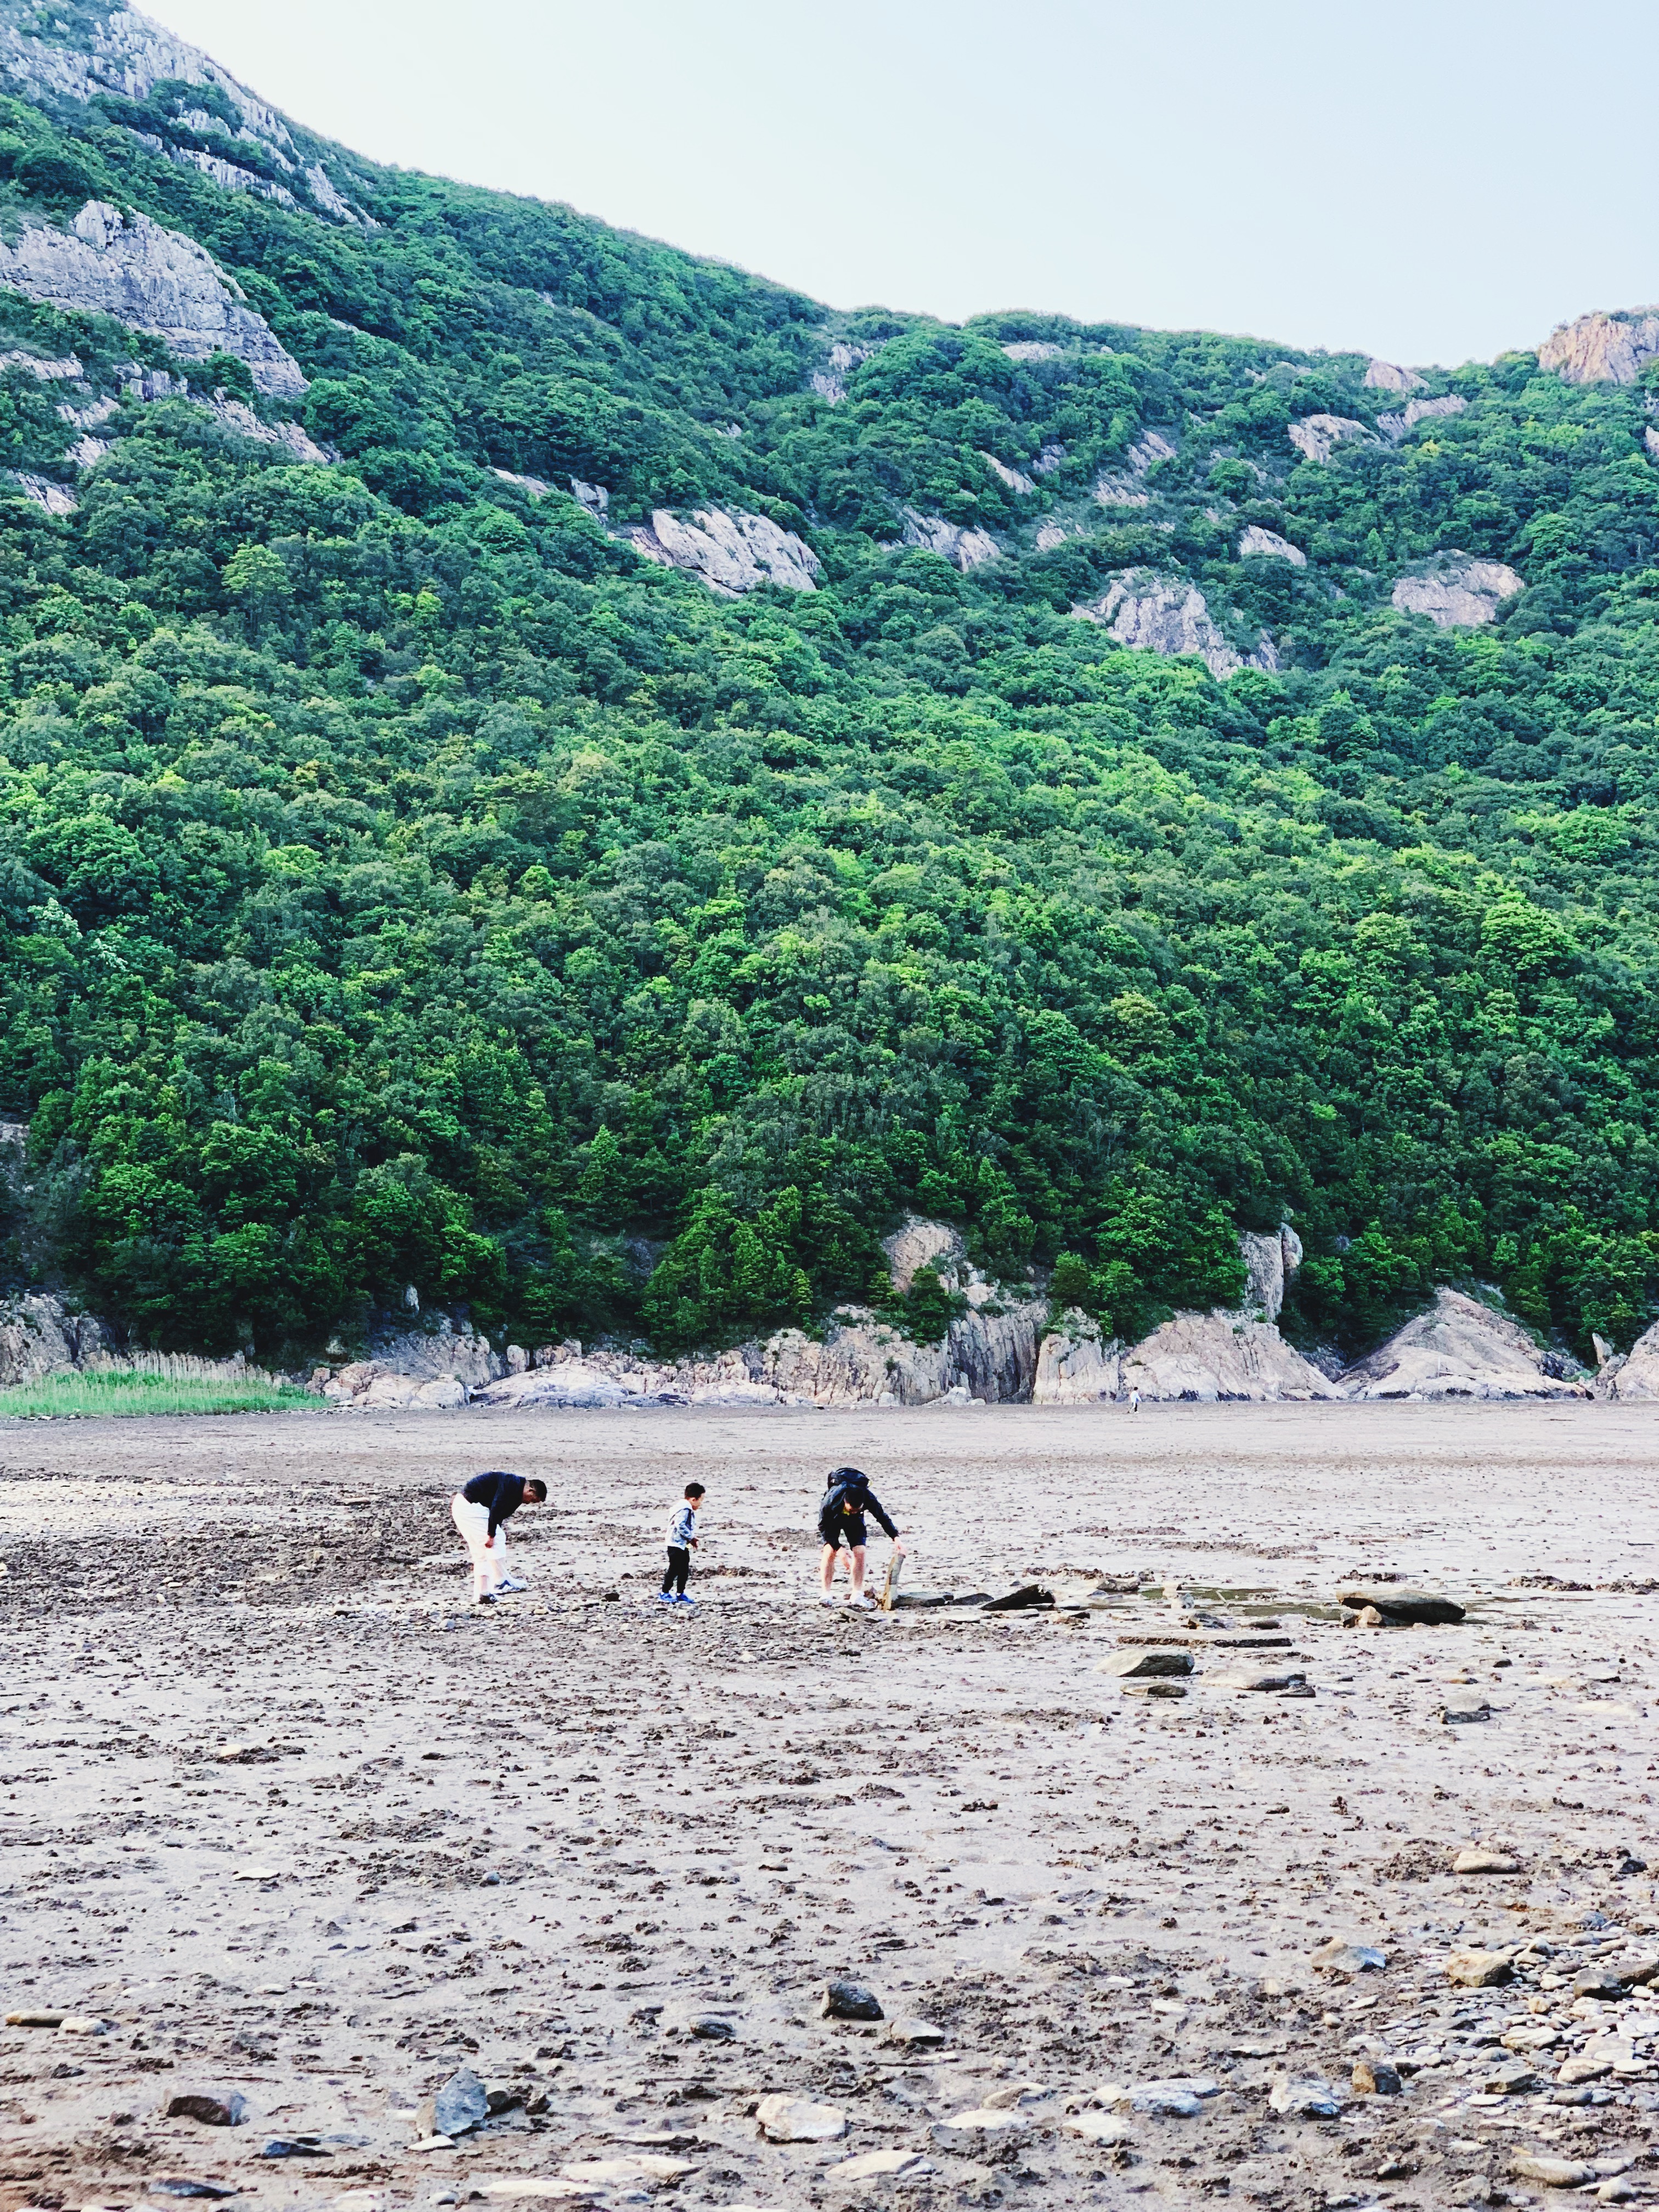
406 884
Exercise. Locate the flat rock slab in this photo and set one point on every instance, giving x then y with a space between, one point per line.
1480 1970
921 2034
874 2164
784 2118
1340 1956
1479 1862
1137 1664
1552 2173
619 2172
1305 2097
1178 2097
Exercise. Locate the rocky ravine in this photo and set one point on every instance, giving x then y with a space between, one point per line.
290 1835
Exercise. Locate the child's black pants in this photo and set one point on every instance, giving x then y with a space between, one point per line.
679 1566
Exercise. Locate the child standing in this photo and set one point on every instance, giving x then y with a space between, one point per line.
681 1542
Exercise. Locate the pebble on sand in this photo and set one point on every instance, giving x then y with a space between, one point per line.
849 2001
1552 2173
619 2173
1475 1861
784 2118
1304 2097
877 2165
211 2111
1340 1956
1374 2077
461 2104
1480 1970
921 2034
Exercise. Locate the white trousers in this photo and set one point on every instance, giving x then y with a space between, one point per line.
489 1567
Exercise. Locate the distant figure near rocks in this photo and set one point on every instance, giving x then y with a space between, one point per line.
841 1520
480 1511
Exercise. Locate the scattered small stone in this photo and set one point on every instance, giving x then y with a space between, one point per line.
1374 2077
211 2111
1304 2097
179 2185
1552 2173
460 2105
1513 2079
255 1873
1459 1715
296 2147
1256 1682
1480 1970
1011 2093
1340 1957
85 2024
849 2001
784 2118
1103 2129
1573 2073
35 2019
1131 1664
619 2172
962 2130
920 2033
1155 1689
1032 1598
1367 1617
1598 1982
1475 1861
712 2027
531 2185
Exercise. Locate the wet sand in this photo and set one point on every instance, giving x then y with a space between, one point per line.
301 1827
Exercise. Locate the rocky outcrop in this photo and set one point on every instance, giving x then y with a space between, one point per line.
152 279
128 53
1267 544
733 551
1150 613
236 414
1602 349
1395 427
1050 535
922 1243
438 1369
830 382
1316 437
1631 1375
531 487
1221 1355
1033 350
43 491
1122 487
39 1335
230 176
1015 479
1389 376
1076 1366
962 549
1457 592
1462 1349
1269 1262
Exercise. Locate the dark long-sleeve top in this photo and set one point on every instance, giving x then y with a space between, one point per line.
502 1493
850 1502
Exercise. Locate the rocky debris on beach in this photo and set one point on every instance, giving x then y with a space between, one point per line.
1423 1608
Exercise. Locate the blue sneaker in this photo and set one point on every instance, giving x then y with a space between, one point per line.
666 1597
683 1600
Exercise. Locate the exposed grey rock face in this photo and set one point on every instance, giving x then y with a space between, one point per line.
1033 350
65 370
230 177
40 1336
860 1362
1316 436
1271 1260
921 1243
1389 376
1166 614
1052 457
830 381
236 414
1051 534
594 497
734 552
1460 1349
1457 592
993 1354
1267 544
54 497
152 279
1395 427
1075 1366
1122 487
438 1370
1650 440
1602 349
962 549
1016 479
531 487
1634 1375
1221 1355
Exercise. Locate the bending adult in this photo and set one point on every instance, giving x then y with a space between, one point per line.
848 1503
480 1511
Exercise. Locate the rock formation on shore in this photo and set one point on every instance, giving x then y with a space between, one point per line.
1462 1349
1634 1374
39 1335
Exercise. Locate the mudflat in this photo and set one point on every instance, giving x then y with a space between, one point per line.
287 1826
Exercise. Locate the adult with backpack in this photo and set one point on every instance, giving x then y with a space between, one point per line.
848 1502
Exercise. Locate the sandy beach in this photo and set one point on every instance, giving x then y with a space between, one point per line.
289 1826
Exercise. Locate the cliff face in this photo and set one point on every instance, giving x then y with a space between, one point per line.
1162 614
1602 349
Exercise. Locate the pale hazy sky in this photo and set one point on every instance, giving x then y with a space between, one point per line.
1428 181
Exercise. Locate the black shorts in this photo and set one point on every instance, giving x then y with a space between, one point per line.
852 1534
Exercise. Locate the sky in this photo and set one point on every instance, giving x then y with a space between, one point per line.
1430 182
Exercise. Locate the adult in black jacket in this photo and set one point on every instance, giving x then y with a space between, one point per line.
848 1503
479 1511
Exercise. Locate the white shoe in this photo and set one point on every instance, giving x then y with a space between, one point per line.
827 1599
512 1583
860 1603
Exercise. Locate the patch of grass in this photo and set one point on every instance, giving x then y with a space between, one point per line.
150 1386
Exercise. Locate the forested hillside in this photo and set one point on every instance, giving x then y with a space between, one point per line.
409 881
